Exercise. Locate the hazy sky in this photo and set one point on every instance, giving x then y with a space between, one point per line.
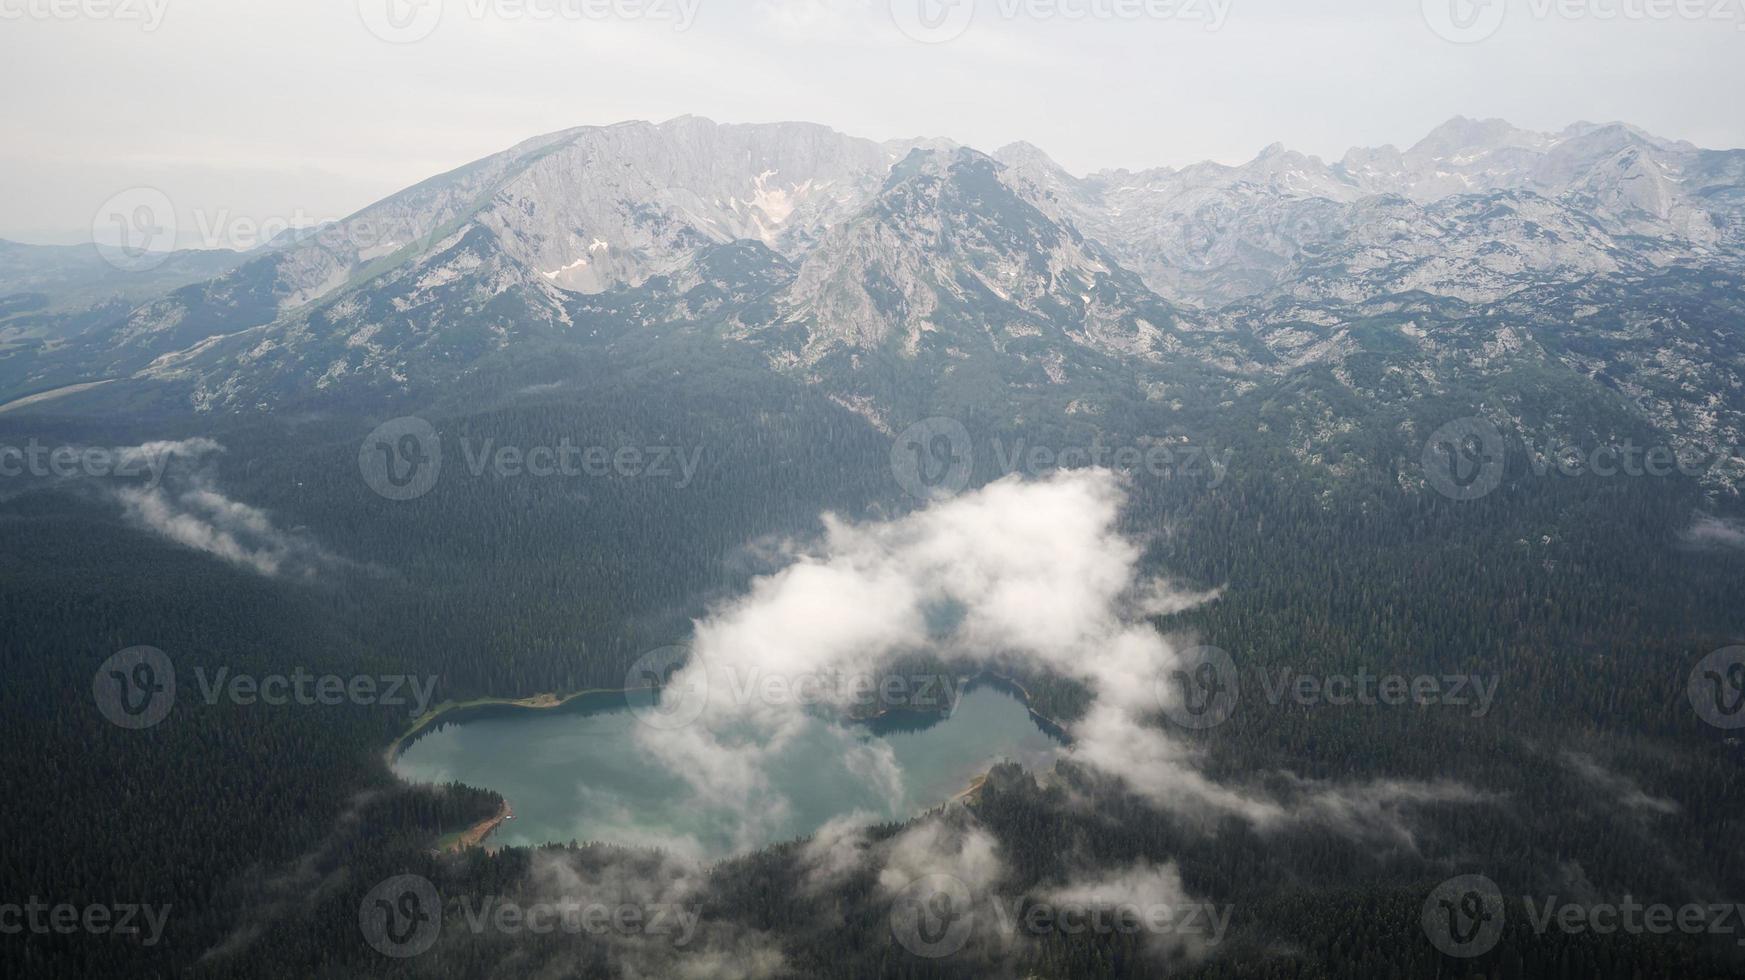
300 110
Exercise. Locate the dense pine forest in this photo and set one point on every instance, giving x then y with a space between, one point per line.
264 827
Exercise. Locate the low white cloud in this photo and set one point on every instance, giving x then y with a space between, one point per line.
1036 577
1707 531
941 846
706 949
837 850
1162 769
1154 887
1621 789
185 506
1379 811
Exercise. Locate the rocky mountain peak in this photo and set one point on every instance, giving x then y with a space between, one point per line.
1462 136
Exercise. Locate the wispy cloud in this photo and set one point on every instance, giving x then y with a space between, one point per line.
186 507
718 950
1621 789
1143 885
1043 582
1707 531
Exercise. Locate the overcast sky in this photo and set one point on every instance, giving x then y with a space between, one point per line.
303 110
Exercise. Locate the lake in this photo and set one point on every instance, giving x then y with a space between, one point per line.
579 773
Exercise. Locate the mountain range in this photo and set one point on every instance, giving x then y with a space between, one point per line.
1346 394
1606 256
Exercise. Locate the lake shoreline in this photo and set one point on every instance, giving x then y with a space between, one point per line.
475 835
536 702
895 718
552 700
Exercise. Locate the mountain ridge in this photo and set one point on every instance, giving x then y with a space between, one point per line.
888 273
